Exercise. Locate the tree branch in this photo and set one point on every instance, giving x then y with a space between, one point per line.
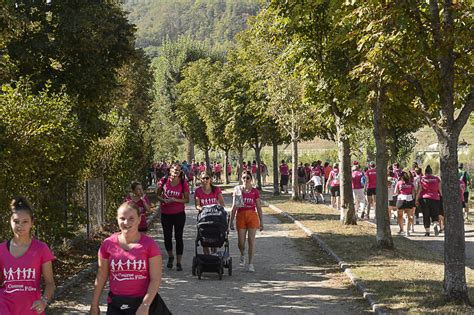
466 111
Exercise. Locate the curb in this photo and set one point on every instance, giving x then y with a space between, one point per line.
90 268
370 297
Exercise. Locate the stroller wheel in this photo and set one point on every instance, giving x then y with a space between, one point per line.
229 265
194 266
199 273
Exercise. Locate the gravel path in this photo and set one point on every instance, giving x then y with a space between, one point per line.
292 277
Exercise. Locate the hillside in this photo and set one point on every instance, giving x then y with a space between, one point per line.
213 21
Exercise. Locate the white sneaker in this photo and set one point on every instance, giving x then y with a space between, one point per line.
251 268
242 260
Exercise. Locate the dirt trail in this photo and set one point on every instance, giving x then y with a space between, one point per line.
292 277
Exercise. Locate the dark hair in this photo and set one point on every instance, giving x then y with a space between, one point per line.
326 164
335 165
20 203
428 170
405 177
135 184
282 161
418 171
130 204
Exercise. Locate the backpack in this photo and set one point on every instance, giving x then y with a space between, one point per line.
464 177
301 172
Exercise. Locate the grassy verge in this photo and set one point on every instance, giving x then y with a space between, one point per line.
408 279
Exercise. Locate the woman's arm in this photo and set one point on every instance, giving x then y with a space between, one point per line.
159 194
99 283
185 198
220 200
329 180
197 204
49 287
153 286
260 213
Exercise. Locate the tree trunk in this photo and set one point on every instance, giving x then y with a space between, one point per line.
241 162
384 235
276 186
208 160
258 148
294 176
455 288
190 150
347 196
226 161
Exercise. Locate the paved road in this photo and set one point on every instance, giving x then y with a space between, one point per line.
289 280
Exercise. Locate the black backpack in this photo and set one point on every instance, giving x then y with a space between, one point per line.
301 172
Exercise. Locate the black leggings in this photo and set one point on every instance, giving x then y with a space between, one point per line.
168 221
431 211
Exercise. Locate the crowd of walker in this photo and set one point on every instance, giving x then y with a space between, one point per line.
131 261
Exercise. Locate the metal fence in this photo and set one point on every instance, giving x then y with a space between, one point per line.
95 202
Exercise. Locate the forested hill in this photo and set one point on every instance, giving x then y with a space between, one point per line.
213 21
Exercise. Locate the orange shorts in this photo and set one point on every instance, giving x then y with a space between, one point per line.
247 220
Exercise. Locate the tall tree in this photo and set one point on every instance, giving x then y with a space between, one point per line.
429 45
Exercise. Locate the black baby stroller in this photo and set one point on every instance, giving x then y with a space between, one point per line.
212 231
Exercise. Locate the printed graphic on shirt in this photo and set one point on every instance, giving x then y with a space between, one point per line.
13 278
126 270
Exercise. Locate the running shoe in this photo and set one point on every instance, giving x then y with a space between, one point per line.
251 268
242 260
179 267
436 229
170 262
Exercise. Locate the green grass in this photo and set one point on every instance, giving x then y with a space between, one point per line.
408 279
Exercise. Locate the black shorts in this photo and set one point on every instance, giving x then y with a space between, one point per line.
335 191
318 189
284 180
404 204
393 202
466 198
370 192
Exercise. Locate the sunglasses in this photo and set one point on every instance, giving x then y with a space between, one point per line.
206 178
246 177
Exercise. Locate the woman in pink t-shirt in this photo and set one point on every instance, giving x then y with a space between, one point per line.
249 217
405 190
429 198
23 262
137 196
131 262
333 186
207 195
173 193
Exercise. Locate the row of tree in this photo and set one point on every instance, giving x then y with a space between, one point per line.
73 106
334 69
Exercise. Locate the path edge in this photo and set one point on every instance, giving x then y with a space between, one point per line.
359 284
61 289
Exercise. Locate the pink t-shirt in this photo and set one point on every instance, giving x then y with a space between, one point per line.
250 199
229 169
217 168
462 186
129 273
430 187
284 170
316 171
141 206
404 188
371 175
335 178
202 168
170 191
208 199
22 278
254 168
356 180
